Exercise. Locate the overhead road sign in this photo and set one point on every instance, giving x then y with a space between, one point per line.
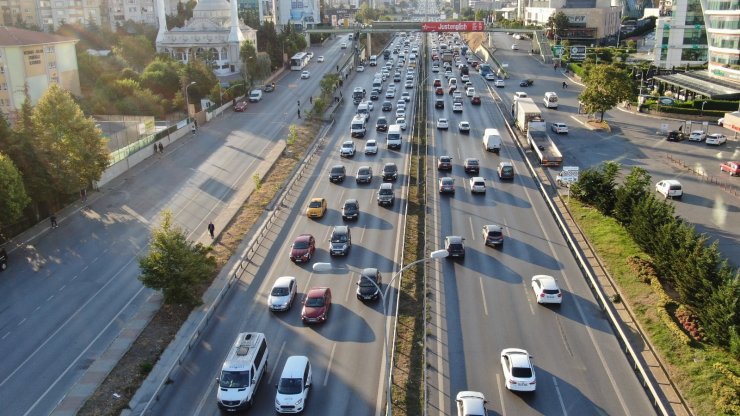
475 26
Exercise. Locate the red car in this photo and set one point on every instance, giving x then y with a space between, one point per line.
471 165
303 248
316 305
475 100
732 167
439 91
444 163
240 106
437 82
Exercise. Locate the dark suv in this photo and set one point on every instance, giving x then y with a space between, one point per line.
337 173
385 194
387 106
455 246
351 210
439 103
390 172
381 124
493 235
368 284
341 241
675 136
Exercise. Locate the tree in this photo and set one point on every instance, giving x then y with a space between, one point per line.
175 265
162 76
197 71
635 187
69 145
248 55
14 198
596 187
263 67
136 50
558 23
606 86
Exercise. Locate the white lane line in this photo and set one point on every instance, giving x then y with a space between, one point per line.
472 231
483 295
6 335
47 299
331 359
21 322
529 298
75 277
134 214
62 288
85 268
500 393
560 397
349 290
37 308
95 259
275 363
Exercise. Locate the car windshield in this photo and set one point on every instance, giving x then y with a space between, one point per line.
521 372
347 145
234 379
386 191
363 172
290 386
495 233
472 162
337 170
300 244
341 238
315 204
507 169
367 282
551 291
315 302
456 247
350 207
280 291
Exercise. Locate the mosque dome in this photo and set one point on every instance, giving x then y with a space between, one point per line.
212 8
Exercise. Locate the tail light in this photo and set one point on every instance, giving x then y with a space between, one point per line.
542 295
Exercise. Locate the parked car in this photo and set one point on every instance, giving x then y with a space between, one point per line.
716 139
675 136
241 106
559 128
733 168
697 136
669 188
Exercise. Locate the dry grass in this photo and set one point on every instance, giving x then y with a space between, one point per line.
132 369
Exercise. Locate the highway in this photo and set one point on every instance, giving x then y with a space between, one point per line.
78 285
484 303
347 351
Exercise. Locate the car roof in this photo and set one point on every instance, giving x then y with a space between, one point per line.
477 179
671 182
473 402
369 271
454 239
505 164
493 227
317 199
386 185
349 142
317 292
283 281
341 229
351 201
303 237
518 357
447 179
547 282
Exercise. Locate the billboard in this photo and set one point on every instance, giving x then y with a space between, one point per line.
453 26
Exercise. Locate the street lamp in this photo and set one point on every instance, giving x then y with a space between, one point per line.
187 101
703 103
434 255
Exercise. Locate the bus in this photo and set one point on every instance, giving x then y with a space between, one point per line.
299 61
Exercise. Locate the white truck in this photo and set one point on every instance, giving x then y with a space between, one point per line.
538 139
524 111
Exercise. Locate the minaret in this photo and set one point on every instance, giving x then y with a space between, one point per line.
162 21
236 34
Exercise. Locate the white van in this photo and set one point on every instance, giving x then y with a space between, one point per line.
394 139
358 126
518 95
492 140
293 386
363 110
551 100
242 371
374 60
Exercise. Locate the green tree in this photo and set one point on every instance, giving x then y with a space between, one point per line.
14 199
69 145
263 66
558 23
606 86
197 71
720 316
635 187
174 265
162 76
248 55
138 51
328 83
596 187
648 218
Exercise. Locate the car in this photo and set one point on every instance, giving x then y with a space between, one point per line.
351 209
340 241
721 121
697 136
368 285
446 185
444 163
465 78
401 103
514 47
437 82
475 100
457 107
455 246
716 139
371 147
546 289
406 96
397 77
385 194
526 83
733 168
391 93
343 45
386 106
675 136
316 208
375 94
302 248
490 76
448 74
408 85
518 370
439 91
255 96
443 124
477 185
471 165
669 188
282 294
320 58
305 75
499 83
471 403
240 107
269 87
452 89
435 68
364 174
337 173
347 149
316 305
370 105
390 172
400 112
360 68
381 125
505 170
493 235
559 128
463 126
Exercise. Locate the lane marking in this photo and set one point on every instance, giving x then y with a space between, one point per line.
6 335
21 322
134 214
483 295
472 230
275 363
331 359
500 393
62 288
560 397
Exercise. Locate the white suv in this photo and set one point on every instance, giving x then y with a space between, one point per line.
347 149
255 95
292 389
669 188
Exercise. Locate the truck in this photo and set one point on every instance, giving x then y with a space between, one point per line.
525 110
447 56
538 139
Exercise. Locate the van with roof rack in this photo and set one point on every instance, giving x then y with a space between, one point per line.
242 371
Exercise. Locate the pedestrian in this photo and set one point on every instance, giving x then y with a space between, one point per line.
340 94
565 85
196 123
161 148
193 128
83 194
337 68
211 228
310 99
299 113
53 219
299 103
155 147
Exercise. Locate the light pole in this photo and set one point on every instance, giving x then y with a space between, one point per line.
187 101
434 255
703 103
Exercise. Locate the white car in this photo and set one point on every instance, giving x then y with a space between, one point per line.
471 403
477 185
499 83
448 74
343 45
321 58
464 78
518 370
255 96
401 121
491 76
716 139
347 149
282 294
360 68
515 47
371 147
442 123
559 128
457 107
697 136
409 84
401 112
470 92
401 103
463 127
435 68
369 105
406 96
305 75
390 93
669 188
546 289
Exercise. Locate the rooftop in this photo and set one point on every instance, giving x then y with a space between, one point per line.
13 36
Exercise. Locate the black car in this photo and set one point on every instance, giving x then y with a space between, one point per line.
375 95
340 241
471 165
351 210
269 87
675 136
387 106
464 70
455 246
390 172
368 285
381 124
439 103
337 173
526 83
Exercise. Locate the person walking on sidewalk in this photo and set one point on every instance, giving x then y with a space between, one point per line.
161 148
83 195
211 229
53 219
299 113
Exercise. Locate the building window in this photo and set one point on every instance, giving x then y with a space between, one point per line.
723 5
724 22
693 54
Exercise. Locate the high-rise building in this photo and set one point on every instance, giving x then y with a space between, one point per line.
722 23
680 37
